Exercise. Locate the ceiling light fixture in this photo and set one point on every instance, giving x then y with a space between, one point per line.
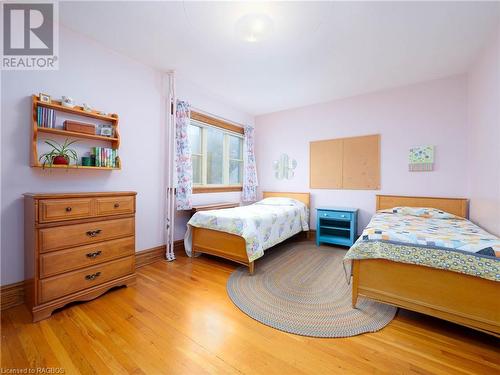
254 28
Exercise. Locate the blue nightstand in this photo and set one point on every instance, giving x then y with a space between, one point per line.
336 225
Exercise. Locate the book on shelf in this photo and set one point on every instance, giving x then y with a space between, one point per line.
46 117
105 157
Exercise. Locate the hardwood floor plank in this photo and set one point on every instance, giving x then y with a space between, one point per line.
12 341
128 339
33 340
5 355
87 332
445 352
81 355
161 337
100 333
206 325
178 319
60 351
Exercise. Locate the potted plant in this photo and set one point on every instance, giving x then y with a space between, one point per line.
60 154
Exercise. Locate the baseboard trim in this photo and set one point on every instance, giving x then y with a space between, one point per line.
149 256
312 235
13 294
179 248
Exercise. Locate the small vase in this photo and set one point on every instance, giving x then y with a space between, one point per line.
60 160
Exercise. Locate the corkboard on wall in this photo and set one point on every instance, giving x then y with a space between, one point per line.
326 156
346 163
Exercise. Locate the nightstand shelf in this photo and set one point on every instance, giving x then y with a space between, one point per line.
337 228
336 225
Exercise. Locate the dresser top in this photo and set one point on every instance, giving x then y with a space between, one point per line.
79 195
336 208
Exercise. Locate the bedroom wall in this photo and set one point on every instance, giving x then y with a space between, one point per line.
112 82
484 138
428 113
105 80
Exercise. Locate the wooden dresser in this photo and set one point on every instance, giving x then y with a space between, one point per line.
77 246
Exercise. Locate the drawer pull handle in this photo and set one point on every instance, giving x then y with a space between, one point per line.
93 233
117 205
342 215
94 254
68 209
93 276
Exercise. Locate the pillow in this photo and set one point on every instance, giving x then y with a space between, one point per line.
426 212
279 201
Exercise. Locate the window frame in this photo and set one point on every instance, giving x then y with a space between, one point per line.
228 129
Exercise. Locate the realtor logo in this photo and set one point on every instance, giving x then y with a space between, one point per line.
30 36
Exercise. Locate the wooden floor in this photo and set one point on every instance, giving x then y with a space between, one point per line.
179 320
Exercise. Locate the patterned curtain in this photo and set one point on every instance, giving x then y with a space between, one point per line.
249 168
183 163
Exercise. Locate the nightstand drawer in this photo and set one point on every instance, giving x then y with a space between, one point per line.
334 215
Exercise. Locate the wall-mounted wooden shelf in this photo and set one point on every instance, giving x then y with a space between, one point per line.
58 166
76 110
77 135
79 111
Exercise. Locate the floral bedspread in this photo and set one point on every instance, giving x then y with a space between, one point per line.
262 224
453 244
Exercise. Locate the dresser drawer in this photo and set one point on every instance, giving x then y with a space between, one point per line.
66 283
334 215
115 205
64 209
61 261
83 234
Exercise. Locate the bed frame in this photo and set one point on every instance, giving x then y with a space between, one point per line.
459 298
231 246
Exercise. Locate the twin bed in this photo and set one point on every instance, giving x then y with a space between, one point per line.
222 233
447 268
432 261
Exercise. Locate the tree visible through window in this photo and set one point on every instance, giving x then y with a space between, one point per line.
217 155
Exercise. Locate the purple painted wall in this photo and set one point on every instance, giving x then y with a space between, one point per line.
108 81
484 138
432 113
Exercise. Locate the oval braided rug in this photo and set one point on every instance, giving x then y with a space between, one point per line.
300 288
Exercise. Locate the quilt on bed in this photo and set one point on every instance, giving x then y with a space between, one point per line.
436 239
262 224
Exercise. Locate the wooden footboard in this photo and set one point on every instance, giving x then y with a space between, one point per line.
231 246
459 298
221 244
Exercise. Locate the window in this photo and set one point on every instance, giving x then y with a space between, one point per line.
217 154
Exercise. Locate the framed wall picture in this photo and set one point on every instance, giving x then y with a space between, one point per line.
106 130
421 159
44 98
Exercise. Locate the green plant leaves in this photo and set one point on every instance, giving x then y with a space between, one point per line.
59 150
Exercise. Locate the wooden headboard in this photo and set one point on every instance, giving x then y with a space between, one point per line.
455 206
302 197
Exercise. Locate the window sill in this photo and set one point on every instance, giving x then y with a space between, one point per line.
215 189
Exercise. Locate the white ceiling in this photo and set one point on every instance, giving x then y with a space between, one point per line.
317 51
